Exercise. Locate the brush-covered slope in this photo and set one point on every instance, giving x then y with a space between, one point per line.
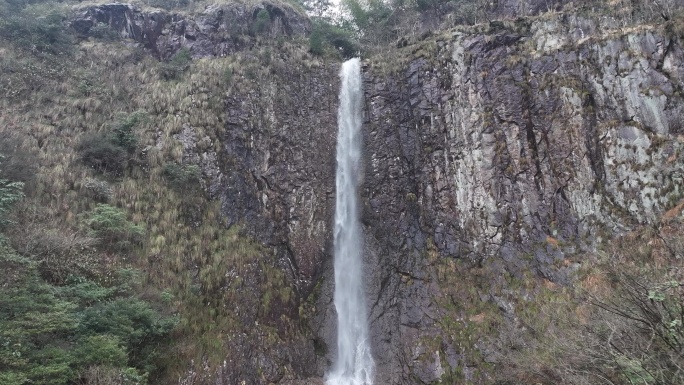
136 163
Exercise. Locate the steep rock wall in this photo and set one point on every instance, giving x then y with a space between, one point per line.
521 148
219 30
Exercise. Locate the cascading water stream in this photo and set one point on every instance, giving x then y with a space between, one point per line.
354 364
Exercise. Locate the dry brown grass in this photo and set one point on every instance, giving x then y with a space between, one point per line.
51 104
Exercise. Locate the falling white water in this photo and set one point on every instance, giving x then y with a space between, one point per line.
354 364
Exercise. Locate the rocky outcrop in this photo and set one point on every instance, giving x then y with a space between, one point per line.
521 148
279 167
219 30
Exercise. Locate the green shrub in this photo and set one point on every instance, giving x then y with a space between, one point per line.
326 37
178 64
10 193
168 4
80 331
36 28
263 21
110 152
316 42
123 130
101 153
110 225
101 349
139 327
183 177
16 163
228 75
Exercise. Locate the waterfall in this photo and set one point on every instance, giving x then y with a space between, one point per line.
354 364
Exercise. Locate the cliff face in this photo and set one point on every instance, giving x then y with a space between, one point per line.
219 30
520 150
510 150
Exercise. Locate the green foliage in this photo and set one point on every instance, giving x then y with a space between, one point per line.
101 153
369 13
110 152
10 193
109 224
316 42
52 335
178 64
123 130
85 292
316 8
228 75
375 20
263 21
183 177
168 4
326 37
37 28
134 323
101 349
16 163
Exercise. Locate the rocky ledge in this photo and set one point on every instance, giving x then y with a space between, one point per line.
219 30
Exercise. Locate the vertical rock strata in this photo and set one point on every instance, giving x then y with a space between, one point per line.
520 148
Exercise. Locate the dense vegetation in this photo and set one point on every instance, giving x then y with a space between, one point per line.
65 317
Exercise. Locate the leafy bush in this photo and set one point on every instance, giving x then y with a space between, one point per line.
103 31
262 21
110 152
109 224
101 153
131 321
10 193
50 335
369 13
178 64
326 37
168 4
123 130
183 177
36 28
228 75
16 163
58 253
101 349
375 20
